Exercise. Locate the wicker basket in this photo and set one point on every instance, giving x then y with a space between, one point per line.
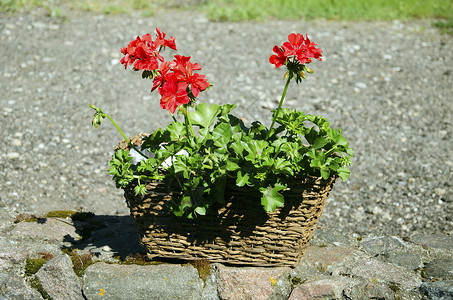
240 233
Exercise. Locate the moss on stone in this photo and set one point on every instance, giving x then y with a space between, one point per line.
32 265
60 214
75 216
36 284
394 287
296 281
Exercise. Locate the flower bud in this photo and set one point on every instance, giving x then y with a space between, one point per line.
309 70
285 77
302 74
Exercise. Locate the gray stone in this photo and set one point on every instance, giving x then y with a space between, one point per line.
116 236
438 290
323 257
15 287
440 268
393 250
440 246
331 287
374 270
329 236
49 229
304 271
210 289
112 281
407 260
10 255
59 280
368 290
249 282
6 220
377 245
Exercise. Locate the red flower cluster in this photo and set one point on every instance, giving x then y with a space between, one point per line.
175 80
145 52
301 49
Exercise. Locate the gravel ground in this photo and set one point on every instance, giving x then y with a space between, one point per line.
387 85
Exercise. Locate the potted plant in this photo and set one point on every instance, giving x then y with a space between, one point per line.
207 185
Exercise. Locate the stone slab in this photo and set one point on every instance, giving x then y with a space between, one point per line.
165 281
59 280
249 282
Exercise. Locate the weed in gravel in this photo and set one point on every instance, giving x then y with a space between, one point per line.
25 218
136 259
203 266
79 261
46 255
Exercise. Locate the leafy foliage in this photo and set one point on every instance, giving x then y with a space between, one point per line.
225 148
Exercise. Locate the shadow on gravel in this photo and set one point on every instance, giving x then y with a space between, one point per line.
113 236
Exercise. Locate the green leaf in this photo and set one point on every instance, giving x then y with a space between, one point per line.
226 109
232 165
283 166
256 150
158 137
343 173
204 115
200 210
177 130
271 198
325 173
238 148
242 179
223 130
319 143
140 189
350 152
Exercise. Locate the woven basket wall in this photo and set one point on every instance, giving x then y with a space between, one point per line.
241 233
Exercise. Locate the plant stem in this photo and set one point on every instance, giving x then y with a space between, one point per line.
187 119
280 104
124 136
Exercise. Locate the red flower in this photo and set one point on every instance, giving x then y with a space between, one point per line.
176 81
279 59
144 53
186 75
296 46
173 94
164 68
161 41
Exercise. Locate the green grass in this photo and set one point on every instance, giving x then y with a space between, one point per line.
245 10
445 26
108 7
239 10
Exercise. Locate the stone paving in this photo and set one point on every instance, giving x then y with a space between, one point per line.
109 266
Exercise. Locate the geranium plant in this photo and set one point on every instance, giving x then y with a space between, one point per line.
205 146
